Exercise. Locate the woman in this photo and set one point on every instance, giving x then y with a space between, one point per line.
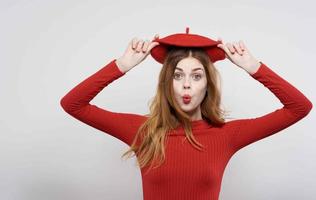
185 132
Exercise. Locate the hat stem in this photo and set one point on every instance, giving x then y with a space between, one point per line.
187 30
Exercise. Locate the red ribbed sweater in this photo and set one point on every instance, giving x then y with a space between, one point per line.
188 174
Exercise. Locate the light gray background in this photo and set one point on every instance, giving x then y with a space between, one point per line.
48 47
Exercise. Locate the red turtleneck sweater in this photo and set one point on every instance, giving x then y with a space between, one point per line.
188 173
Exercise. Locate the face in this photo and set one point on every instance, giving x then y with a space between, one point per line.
189 78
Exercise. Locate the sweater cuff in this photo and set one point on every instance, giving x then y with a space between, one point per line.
260 70
117 69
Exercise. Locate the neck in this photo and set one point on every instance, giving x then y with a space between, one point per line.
195 114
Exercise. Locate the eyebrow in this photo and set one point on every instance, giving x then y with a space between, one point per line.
192 70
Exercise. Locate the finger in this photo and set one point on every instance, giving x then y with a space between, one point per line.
221 43
230 47
134 42
139 45
156 36
225 48
236 46
145 46
243 46
152 45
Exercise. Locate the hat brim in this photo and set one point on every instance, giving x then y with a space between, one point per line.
160 51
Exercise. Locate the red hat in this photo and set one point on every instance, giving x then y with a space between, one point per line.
160 51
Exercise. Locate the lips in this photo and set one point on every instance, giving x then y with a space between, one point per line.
186 98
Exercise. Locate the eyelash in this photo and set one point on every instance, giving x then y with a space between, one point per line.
193 75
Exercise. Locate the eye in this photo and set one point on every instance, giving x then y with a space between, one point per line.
176 75
197 75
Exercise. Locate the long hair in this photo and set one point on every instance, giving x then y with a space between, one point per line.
165 113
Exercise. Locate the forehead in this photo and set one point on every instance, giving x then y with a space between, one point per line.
189 64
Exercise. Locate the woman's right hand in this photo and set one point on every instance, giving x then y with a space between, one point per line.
136 51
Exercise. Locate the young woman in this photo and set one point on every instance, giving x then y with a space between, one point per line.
185 131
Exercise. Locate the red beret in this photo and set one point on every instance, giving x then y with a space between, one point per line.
160 51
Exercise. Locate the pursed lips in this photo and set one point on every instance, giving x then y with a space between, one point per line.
187 96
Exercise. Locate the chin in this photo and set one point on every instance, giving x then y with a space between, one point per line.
187 108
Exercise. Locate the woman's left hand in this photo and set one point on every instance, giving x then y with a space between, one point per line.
238 53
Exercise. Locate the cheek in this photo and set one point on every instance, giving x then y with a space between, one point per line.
201 85
201 90
176 87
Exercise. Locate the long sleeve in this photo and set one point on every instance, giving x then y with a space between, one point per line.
76 103
295 107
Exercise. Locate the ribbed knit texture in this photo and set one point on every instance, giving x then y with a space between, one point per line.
188 174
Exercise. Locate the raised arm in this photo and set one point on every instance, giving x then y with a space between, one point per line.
76 103
123 126
243 132
296 106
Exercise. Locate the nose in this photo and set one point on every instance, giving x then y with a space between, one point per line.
186 83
